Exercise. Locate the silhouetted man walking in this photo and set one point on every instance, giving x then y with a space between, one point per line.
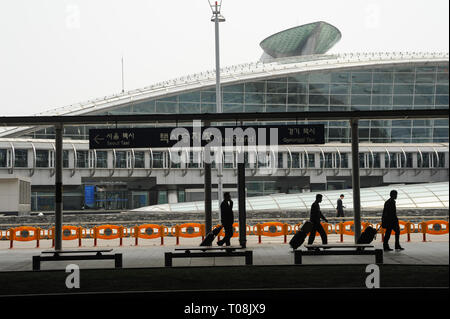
340 207
315 217
226 215
389 221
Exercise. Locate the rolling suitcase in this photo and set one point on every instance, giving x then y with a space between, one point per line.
211 235
368 235
300 236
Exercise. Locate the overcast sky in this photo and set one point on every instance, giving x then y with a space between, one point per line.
59 52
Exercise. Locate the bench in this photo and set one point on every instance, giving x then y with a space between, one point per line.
338 249
208 251
81 254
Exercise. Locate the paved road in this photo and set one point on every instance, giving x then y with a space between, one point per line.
272 251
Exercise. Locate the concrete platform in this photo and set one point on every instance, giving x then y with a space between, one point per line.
272 251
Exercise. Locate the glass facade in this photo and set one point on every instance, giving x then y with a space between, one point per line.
400 87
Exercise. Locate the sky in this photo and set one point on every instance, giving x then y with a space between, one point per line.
55 53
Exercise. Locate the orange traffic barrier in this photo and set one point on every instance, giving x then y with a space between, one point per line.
108 232
235 230
272 229
150 231
433 227
405 228
68 233
24 233
188 230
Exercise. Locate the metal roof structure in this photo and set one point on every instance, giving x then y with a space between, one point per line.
237 74
312 38
427 195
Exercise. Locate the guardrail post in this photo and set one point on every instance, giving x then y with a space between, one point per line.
95 236
177 234
341 231
121 235
80 235
11 237
202 231
259 232
162 234
424 231
408 231
38 236
285 232
136 235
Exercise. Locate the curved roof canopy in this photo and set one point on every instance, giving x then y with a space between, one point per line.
421 196
312 38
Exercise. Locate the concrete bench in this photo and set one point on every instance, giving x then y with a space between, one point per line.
81 254
339 249
207 251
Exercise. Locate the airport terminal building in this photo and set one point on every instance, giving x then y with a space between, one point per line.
295 73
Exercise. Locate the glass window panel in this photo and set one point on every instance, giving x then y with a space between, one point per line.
404 69
42 158
255 87
403 89
360 99
340 77
295 108
209 108
361 88
362 77
381 89
339 89
318 88
424 100
139 159
318 99
121 110
190 107
424 89
380 132
442 100
406 100
425 77
404 77
65 159
401 123
231 108
275 87
169 99
254 108
440 133
297 88
424 69
442 78
82 159
303 77
238 88
296 99
421 132
442 68
190 97
276 98
399 134
276 108
319 77
339 99
208 97
254 98
21 158
102 159
422 123
441 122
385 77
166 107
147 107
382 100
233 97
441 89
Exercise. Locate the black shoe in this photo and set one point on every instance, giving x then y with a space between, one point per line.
387 248
399 248
220 243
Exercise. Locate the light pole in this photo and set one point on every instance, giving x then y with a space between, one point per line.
216 18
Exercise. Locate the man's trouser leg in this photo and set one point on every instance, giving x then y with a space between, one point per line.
387 236
323 234
312 234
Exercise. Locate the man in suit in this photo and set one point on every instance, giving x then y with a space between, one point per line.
389 221
340 207
226 215
315 217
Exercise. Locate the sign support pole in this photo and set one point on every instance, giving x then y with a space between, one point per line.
58 186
